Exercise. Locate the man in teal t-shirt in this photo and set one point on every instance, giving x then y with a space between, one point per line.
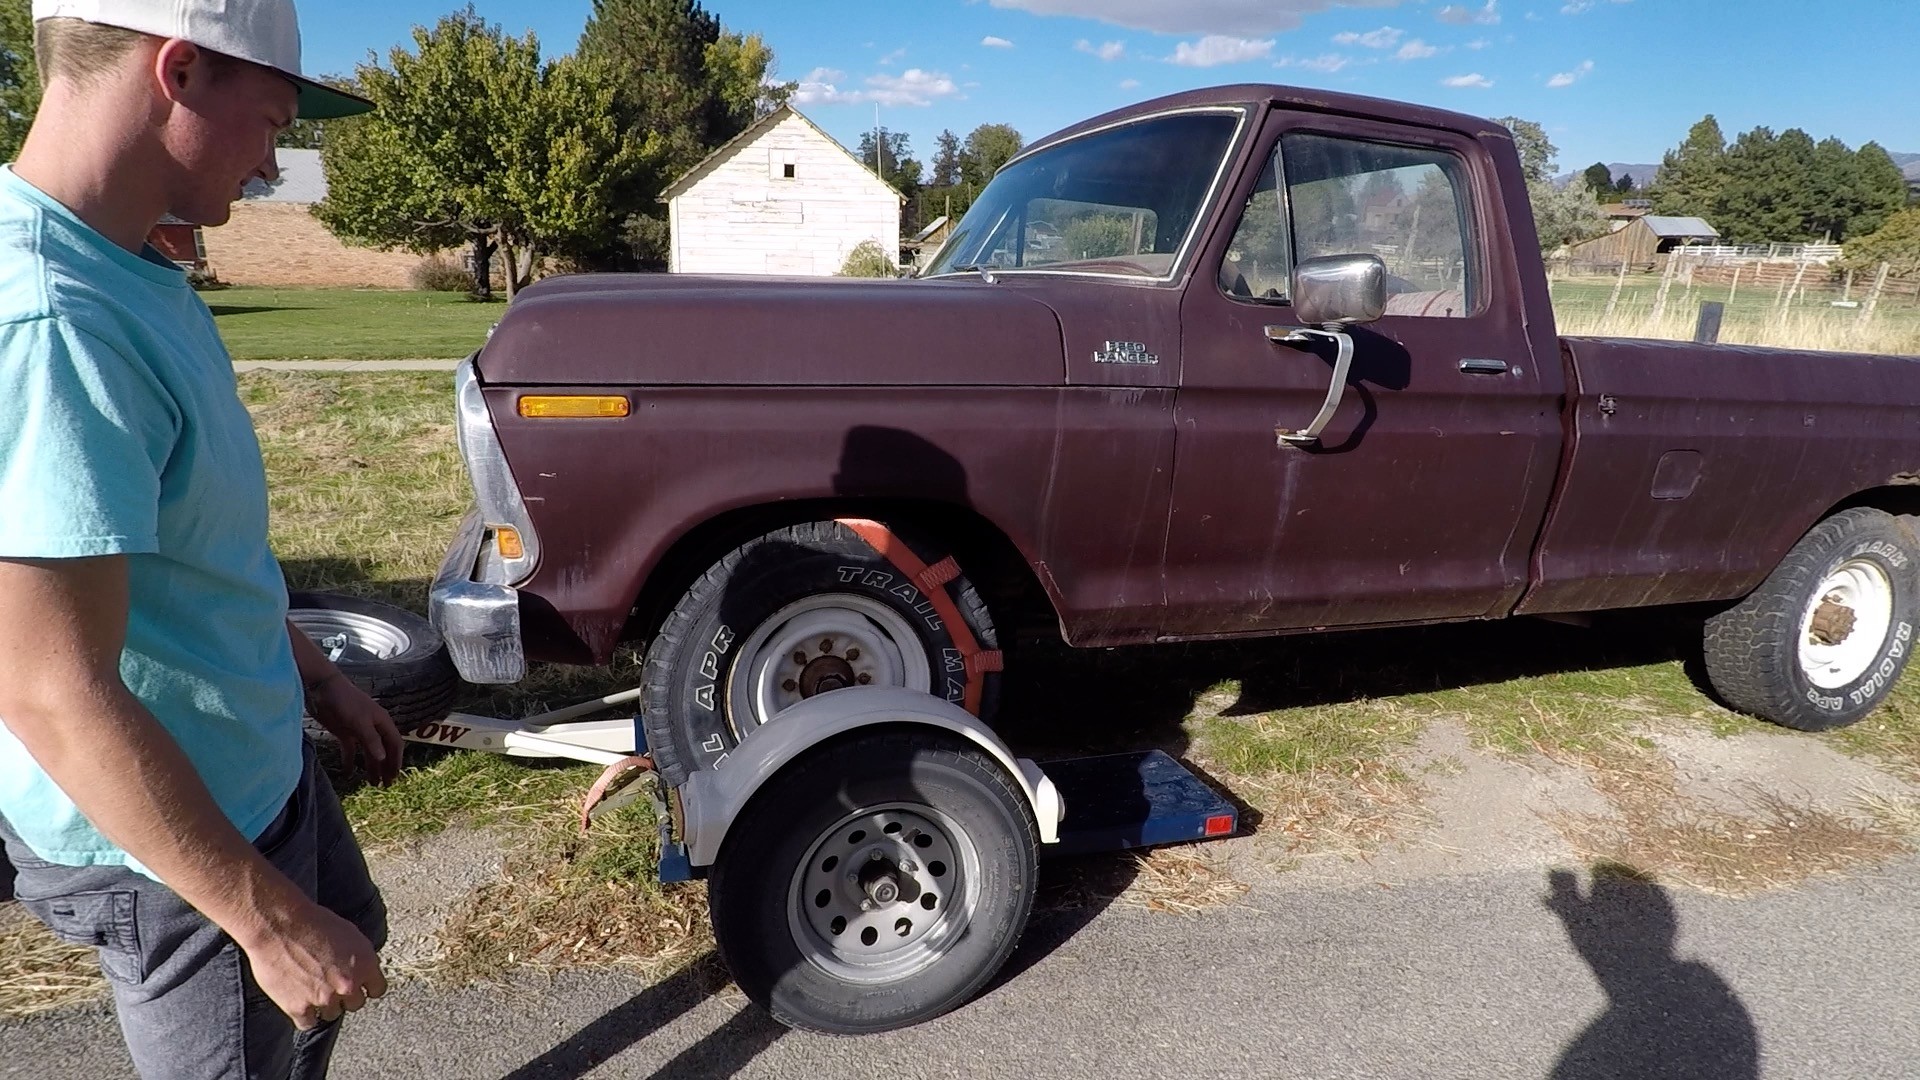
156 795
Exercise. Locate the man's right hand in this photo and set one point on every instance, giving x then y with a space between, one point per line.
315 965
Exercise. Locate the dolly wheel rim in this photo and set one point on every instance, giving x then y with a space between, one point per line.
1845 625
825 642
884 894
350 636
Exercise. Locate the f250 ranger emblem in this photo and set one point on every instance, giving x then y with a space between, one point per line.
1125 352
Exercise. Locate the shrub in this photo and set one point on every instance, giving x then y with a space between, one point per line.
869 260
438 274
205 281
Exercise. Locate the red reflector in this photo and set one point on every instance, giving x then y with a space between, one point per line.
1219 825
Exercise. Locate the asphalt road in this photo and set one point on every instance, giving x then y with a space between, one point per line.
1448 976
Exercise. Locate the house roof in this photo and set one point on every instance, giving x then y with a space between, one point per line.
302 180
1680 228
760 127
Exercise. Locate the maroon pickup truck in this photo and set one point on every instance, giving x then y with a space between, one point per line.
1238 362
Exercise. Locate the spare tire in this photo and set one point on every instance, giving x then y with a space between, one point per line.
397 657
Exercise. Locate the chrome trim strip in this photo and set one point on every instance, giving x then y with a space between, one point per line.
493 486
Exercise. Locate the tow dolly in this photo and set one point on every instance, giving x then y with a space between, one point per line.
871 857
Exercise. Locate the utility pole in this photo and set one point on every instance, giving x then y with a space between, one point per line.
879 149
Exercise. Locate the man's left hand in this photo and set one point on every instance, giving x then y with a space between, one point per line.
362 726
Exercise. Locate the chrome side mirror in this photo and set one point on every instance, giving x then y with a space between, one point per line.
1340 290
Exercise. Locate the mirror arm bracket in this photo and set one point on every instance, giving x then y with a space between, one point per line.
1343 364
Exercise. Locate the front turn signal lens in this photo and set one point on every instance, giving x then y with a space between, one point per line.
506 540
574 407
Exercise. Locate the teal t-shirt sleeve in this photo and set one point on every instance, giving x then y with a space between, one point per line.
82 451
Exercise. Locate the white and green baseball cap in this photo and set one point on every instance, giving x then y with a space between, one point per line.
264 32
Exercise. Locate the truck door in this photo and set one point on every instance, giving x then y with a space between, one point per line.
1422 498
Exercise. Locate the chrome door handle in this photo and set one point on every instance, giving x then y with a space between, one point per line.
1483 367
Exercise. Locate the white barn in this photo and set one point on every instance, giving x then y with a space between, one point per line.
782 198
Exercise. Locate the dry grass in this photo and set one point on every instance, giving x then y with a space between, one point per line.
1181 881
39 972
1774 842
572 901
1810 322
1322 779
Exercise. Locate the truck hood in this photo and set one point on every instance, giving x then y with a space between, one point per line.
677 330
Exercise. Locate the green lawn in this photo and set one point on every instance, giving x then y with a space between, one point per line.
349 324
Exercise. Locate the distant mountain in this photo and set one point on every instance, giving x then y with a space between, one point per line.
1905 160
1642 174
1912 169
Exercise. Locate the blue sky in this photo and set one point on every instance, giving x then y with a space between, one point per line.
1612 80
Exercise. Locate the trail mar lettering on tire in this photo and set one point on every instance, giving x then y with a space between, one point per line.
803 611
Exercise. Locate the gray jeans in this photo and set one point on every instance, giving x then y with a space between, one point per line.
186 998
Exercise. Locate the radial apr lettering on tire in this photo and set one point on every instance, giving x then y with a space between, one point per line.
796 613
1824 640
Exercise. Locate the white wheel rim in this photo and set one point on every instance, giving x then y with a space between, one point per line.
1845 625
856 933
349 635
783 662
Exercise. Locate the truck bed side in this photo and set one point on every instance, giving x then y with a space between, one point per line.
1693 468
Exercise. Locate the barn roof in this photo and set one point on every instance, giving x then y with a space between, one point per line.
1680 228
758 128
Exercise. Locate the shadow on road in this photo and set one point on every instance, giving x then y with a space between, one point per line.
721 1053
1665 1017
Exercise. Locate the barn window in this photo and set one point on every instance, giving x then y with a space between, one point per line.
782 165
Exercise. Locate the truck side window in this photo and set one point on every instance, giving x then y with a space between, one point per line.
1257 266
1405 204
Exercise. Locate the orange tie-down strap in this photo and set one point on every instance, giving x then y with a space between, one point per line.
601 786
933 581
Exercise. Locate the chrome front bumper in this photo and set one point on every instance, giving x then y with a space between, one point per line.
481 623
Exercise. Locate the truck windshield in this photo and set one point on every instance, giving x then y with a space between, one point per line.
1121 201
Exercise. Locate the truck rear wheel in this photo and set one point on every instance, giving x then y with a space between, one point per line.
1824 640
876 883
793 614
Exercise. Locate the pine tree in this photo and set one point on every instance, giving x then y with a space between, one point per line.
946 160
1690 177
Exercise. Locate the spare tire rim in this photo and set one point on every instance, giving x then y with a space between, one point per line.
1845 625
884 894
348 637
823 643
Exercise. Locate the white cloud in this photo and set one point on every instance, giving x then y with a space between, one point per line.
992 42
1326 64
1479 43
1384 38
1244 18
1469 16
1129 84
888 60
1111 50
912 87
1581 7
1416 50
1475 81
1217 49
1568 78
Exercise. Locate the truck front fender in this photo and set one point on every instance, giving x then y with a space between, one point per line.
711 799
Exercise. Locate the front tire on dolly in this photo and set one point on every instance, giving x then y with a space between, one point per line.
1826 637
795 613
876 883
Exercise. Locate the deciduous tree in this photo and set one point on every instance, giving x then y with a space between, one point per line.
477 140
